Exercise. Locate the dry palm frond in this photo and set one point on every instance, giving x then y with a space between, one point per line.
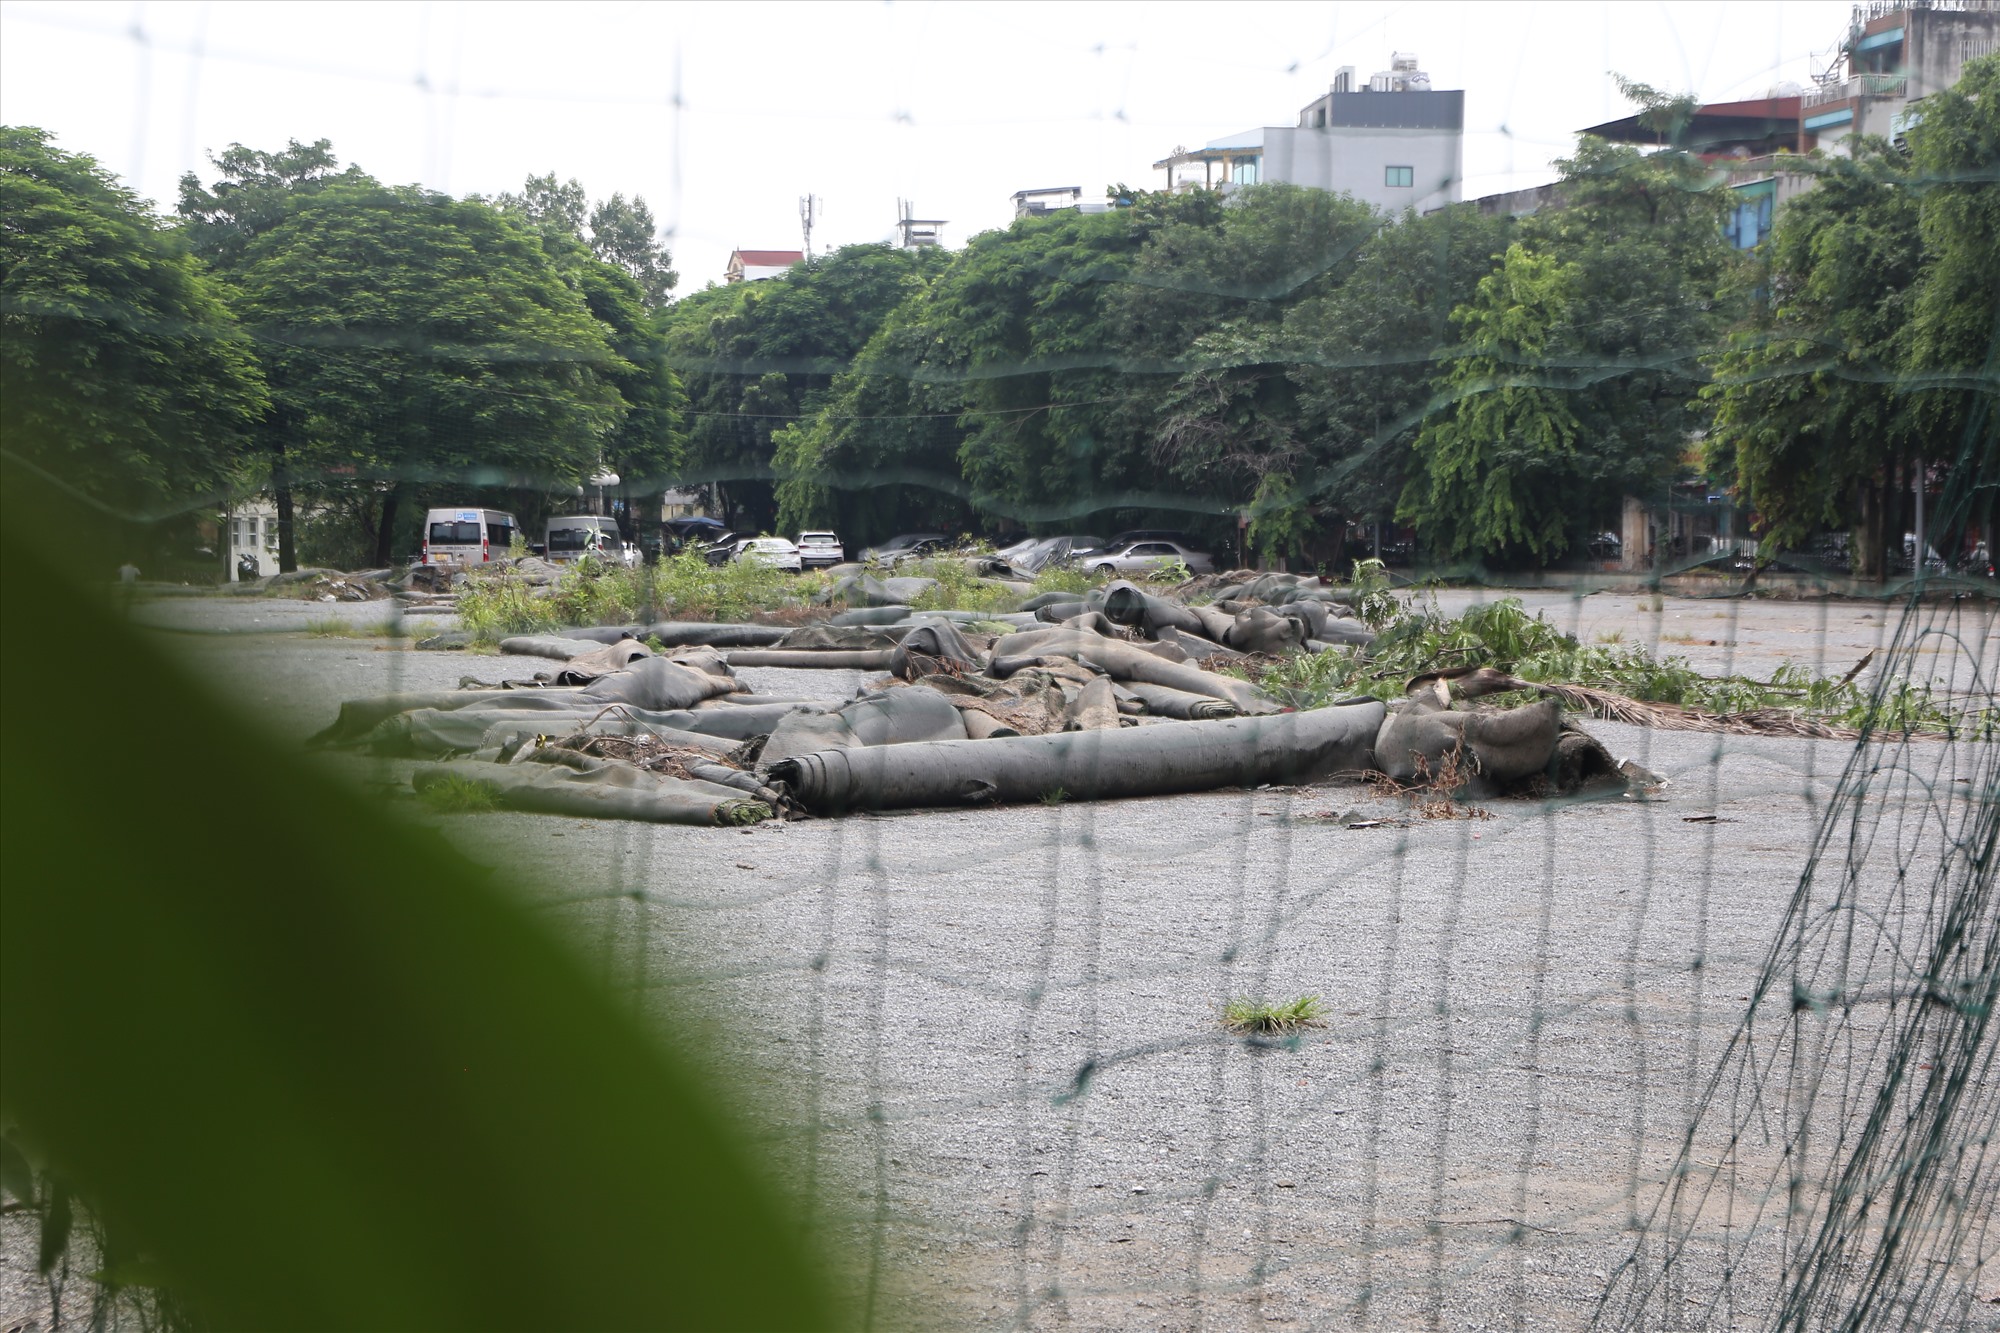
1675 717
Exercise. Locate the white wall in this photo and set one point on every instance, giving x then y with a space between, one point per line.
1354 161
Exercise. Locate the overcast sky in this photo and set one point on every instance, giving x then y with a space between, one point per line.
722 115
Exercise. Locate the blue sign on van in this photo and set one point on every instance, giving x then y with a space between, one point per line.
468 515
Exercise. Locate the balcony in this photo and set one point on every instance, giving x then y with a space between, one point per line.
1860 85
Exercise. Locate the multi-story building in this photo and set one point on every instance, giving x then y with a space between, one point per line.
1396 144
1896 53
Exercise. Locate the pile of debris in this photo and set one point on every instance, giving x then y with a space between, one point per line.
1116 694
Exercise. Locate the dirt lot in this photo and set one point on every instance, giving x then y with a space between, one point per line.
983 1045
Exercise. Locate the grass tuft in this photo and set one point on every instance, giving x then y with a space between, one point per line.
454 795
1246 1015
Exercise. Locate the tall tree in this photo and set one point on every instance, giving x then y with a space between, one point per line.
254 192
618 232
1628 276
1366 356
123 376
626 235
879 454
1231 428
1810 418
1500 471
550 205
758 356
413 336
1954 344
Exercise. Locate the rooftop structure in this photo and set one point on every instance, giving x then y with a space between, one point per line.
751 265
1396 144
914 231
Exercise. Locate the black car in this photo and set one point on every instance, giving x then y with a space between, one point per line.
908 546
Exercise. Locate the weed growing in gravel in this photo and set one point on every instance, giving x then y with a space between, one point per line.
1260 1016
958 588
687 587
1503 635
455 795
492 606
333 627
1054 796
496 604
1063 578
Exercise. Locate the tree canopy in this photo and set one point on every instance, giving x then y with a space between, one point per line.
124 377
411 336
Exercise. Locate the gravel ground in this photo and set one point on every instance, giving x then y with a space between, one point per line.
983 1049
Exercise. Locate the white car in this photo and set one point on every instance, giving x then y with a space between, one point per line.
1146 557
773 551
819 550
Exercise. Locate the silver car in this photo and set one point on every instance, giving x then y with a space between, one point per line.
773 551
1147 557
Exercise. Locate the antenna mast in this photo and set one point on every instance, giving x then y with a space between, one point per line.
809 205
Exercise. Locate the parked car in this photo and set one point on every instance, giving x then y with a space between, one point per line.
572 537
773 551
908 546
722 548
466 536
1145 557
1046 551
818 550
1119 540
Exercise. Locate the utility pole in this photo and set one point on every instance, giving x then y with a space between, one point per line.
808 211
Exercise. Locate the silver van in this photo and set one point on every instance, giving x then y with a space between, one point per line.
578 535
467 536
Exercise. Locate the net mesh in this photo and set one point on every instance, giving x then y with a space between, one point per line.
1718 1055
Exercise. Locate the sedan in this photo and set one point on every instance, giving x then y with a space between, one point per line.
1147 557
773 551
909 546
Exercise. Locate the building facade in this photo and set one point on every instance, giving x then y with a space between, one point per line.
1396 144
751 265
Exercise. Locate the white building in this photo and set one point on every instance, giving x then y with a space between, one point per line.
750 265
252 530
1396 144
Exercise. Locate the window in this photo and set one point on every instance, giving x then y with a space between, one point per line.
1400 177
1243 171
454 534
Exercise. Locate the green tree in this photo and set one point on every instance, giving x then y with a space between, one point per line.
1810 418
879 455
1954 344
1218 291
619 232
1627 277
123 375
254 192
1499 470
411 336
1366 356
626 235
549 205
759 356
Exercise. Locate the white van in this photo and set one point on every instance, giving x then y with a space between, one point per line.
467 536
578 535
